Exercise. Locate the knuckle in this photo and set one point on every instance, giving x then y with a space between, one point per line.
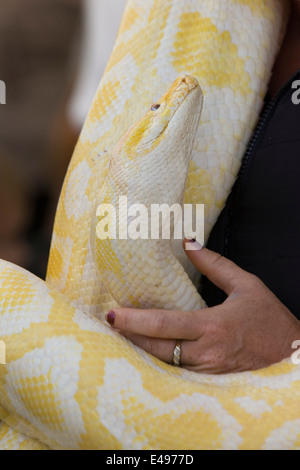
217 358
214 329
160 323
152 346
252 282
125 322
217 262
211 359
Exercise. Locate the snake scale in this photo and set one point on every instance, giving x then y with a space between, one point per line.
70 382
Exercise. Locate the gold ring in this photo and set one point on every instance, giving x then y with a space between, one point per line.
177 353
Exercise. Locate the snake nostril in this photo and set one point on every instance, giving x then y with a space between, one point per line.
183 80
155 107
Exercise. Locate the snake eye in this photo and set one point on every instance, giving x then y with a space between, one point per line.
155 107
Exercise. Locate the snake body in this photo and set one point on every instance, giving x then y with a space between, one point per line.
70 382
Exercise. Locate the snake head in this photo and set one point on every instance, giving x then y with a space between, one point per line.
158 147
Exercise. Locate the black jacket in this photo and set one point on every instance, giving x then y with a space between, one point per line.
259 228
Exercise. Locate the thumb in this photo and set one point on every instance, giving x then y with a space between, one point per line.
219 270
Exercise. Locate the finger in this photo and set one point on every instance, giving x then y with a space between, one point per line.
219 270
165 324
163 349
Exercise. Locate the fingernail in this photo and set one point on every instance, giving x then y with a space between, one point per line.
110 318
192 244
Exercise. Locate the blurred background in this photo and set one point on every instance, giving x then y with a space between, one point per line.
52 56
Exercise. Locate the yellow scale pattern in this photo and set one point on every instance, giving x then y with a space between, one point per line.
72 383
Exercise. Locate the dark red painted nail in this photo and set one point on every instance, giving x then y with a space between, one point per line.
110 318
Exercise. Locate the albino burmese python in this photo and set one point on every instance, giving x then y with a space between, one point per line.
70 382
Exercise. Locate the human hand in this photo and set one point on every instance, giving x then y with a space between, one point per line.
250 330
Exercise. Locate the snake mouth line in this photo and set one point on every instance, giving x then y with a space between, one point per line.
192 90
